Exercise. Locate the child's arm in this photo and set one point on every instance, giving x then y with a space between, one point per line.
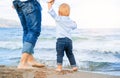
50 9
74 25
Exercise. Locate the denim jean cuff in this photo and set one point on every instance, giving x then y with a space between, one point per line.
73 65
59 63
27 48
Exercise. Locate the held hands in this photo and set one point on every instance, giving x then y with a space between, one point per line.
51 2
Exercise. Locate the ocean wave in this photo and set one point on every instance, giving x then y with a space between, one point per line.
93 50
97 56
86 65
11 45
99 66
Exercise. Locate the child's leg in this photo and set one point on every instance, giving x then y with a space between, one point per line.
60 53
70 55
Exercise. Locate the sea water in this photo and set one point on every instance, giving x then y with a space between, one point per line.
96 50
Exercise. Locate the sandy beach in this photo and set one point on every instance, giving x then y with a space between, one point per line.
45 72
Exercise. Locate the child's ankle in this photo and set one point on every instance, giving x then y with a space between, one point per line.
59 68
75 69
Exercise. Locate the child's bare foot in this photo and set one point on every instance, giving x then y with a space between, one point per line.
74 68
59 68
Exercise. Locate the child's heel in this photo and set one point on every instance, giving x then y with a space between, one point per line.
59 68
74 69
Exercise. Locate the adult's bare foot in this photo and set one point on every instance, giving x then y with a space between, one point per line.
23 62
24 66
34 63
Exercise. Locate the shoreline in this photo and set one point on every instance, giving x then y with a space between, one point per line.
47 72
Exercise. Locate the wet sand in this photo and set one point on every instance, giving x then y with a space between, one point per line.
45 72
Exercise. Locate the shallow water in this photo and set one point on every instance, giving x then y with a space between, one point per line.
95 50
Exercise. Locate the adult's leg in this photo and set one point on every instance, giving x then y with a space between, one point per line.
33 17
24 57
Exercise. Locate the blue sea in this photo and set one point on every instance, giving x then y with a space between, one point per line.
95 50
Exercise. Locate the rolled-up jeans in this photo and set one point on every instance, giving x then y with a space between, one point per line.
29 13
